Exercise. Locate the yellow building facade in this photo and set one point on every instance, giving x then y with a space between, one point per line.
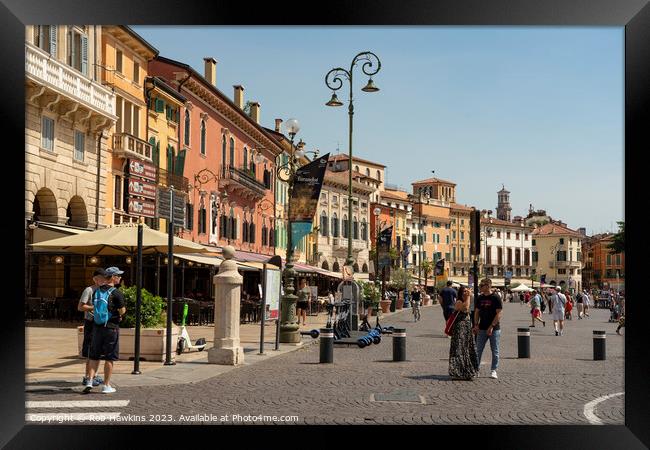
461 260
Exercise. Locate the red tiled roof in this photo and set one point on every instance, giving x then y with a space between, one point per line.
342 157
461 207
396 195
342 178
553 228
433 180
505 223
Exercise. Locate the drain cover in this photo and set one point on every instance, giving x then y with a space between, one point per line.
401 396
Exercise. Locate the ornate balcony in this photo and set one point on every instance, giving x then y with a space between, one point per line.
128 146
48 74
242 182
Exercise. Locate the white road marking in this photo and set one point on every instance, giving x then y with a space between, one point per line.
77 404
68 417
591 406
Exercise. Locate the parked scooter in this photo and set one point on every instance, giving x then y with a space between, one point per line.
184 341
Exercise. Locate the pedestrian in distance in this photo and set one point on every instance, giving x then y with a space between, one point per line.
579 304
558 302
586 303
463 359
569 307
85 306
448 297
303 301
487 316
108 309
535 312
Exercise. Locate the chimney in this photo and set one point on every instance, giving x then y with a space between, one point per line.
255 112
211 70
239 96
278 123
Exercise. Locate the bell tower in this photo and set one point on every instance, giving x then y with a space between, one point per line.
503 205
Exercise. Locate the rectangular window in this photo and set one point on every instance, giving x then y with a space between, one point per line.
453 253
453 235
526 236
447 239
498 235
561 256
517 236
189 218
509 256
120 113
618 260
462 253
118 60
127 120
462 235
136 121
136 72
117 198
561 241
534 242
79 145
447 256
507 235
47 134
561 271
609 260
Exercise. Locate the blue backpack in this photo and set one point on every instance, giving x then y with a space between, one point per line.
101 313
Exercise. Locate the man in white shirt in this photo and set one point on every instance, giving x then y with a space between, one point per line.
586 302
558 300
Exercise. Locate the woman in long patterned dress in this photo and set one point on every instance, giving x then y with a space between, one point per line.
463 360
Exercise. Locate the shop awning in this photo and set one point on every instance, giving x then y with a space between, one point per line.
47 231
201 259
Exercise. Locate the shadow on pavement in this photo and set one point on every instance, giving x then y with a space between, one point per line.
431 377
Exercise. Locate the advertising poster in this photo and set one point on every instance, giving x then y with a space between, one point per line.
304 198
383 246
272 280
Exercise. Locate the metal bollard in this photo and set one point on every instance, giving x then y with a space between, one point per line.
399 344
599 345
523 342
326 345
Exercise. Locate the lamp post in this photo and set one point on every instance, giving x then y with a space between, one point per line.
420 243
377 212
334 81
287 173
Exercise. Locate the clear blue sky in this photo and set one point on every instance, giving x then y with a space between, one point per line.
539 109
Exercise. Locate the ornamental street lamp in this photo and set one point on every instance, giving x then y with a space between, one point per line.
287 173
334 81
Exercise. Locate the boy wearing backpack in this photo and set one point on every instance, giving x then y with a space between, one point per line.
85 306
108 307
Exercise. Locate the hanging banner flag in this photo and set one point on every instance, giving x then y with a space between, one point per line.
383 246
304 198
440 268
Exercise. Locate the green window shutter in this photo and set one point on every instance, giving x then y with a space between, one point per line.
160 105
53 33
170 159
180 163
155 151
84 55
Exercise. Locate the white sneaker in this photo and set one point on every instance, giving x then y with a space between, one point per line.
108 389
493 374
88 386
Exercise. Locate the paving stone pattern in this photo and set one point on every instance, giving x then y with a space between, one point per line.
552 387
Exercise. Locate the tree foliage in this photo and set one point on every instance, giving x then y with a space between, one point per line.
618 242
151 311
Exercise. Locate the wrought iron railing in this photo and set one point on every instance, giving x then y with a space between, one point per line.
243 177
167 179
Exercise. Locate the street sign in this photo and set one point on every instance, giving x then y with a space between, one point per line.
142 188
164 203
143 207
142 169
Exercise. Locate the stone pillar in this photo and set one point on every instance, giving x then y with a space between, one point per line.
227 294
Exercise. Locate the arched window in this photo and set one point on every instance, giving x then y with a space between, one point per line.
251 232
325 265
271 237
335 267
335 226
379 175
345 226
364 269
356 168
203 137
364 229
355 267
232 152
246 159
355 230
367 172
187 127
223 155
323 224
244 230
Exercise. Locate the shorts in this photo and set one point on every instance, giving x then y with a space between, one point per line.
89 325
446 312
302 305
535 312
105 344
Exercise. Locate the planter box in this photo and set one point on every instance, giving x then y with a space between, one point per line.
152 343
385 305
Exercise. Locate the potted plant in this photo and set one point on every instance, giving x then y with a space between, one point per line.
153 330
400 280
371 295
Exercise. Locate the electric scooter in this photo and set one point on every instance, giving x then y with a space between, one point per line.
184 341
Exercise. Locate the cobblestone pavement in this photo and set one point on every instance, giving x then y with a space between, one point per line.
552 387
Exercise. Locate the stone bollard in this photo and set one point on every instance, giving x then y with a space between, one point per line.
227 294
326 345
523 342
599 345
399 344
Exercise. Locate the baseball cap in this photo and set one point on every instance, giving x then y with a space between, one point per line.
113 271
99 272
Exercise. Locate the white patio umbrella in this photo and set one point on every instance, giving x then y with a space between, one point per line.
522 287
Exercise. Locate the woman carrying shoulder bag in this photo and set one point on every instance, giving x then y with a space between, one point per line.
463 360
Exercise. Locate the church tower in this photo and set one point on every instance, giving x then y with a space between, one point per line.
503 206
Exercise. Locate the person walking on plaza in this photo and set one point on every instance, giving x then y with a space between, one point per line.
109 306
558 303
535 312
586 303
303 301
579 304
99 278
463 359
621 319
487 316
569 307
448 296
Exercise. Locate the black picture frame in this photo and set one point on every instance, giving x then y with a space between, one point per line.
634 15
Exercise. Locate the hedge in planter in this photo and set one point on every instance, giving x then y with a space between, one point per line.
151 310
